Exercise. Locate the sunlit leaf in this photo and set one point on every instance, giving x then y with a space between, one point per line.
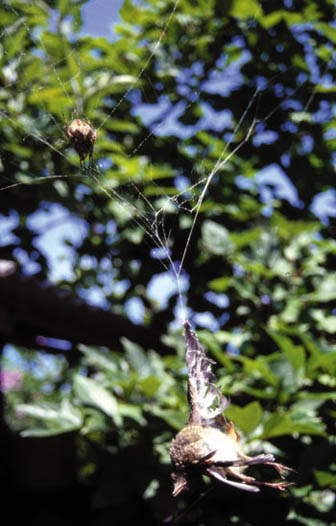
56 420
215 238
93 394
325 479
246 418
283 424
137 358
102 359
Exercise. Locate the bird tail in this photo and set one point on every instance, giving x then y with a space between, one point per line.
206 401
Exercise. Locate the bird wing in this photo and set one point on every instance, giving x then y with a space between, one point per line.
205 400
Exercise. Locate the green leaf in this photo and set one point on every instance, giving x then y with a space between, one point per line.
259 368
132 14
325 323
241 239
283 424
102 359
43 432
43 412
132 411
326 289
326 360
90 392
215 238
325 479
246 8
136 357
220 284
173 417
318 397
246 418
292 310
56 420
294 353
150 385
307 405
328 30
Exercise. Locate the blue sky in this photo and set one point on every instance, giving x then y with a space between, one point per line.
99 16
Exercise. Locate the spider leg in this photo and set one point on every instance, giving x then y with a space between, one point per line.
65 120
91 163
82 157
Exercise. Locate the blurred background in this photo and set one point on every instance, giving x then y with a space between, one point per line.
212 198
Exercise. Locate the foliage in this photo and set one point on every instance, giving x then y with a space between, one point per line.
264 253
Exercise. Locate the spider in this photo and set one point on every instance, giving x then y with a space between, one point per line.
82 136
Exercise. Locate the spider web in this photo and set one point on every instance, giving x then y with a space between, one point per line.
148 214
133 201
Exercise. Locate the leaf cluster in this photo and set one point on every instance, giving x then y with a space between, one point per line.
260 265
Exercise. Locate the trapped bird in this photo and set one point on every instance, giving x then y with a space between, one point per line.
82 136
209 443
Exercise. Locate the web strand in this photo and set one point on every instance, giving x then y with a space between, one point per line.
150 219
219 164
144 67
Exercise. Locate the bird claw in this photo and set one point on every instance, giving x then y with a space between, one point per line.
280 468
281 486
